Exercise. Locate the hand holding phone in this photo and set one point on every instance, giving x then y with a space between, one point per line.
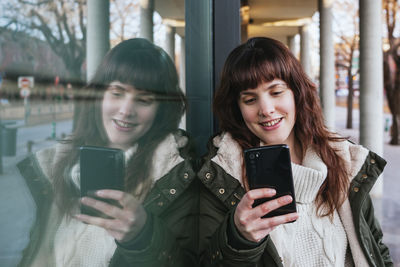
248 220
270 167
100 168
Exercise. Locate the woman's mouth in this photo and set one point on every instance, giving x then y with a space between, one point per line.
271 123
123 124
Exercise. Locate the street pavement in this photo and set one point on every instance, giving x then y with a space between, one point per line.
17 210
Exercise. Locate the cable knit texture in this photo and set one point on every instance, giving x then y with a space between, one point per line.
78 244
311 240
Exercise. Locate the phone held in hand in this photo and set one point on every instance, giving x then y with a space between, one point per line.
270 167
100 168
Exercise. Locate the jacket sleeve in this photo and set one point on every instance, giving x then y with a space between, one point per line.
220 253
214 223
172 204
163 250
378 248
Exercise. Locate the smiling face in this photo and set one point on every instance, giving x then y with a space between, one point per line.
269 112
127 114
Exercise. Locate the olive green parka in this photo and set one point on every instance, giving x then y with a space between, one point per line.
222 192
170 202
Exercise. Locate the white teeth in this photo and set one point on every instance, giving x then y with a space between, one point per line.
122 124
271 123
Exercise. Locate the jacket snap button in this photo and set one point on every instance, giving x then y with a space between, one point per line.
372 161
233 203
172 191
356 189
185 175
221 191
208 175
160 203
364 176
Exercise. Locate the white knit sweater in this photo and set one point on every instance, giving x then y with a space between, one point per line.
311 240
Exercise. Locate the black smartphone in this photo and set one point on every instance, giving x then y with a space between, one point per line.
100 168
270 166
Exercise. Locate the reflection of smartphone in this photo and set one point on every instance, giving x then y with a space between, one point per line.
270 166
100 168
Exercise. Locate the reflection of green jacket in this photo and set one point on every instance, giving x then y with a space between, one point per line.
170 203
222 191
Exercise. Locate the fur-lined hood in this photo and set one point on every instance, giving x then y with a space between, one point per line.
229 156
166 156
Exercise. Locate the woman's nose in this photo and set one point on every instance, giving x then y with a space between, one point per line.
267 107
127 108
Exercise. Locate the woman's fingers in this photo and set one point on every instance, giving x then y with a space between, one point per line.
250 196
123 198
108 209
248 219
127 220
271 205
272 222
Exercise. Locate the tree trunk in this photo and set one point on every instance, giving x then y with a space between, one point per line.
389 85
396 108
349 123
394 131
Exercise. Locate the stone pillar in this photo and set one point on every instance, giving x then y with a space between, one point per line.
170 41
371 80
305 49
146 19
327 63
97 35
182 77
182 65
292 44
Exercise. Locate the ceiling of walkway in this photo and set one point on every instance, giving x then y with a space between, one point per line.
264 15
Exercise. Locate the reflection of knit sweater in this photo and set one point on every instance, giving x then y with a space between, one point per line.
311 240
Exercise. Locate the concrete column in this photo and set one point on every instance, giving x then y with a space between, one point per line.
305 49
170 41
327 63
292 44
97 35
182 65
371 80
146 19
182 77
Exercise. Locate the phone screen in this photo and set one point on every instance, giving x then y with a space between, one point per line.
270 167
100 168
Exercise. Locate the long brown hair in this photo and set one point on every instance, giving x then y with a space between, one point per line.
261 60
143 65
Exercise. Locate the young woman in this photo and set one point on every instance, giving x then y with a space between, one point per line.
133 103
265 98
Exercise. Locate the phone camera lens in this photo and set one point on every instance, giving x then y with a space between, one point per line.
252 156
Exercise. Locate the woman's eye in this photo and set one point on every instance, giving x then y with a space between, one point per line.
249 100
275 93
145 101
116 93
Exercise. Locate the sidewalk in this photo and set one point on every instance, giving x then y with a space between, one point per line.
387 208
